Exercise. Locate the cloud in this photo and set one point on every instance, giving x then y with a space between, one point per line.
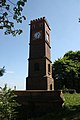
9 72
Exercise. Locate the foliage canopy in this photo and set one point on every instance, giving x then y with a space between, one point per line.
66 71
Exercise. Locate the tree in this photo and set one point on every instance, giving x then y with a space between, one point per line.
2 71
8 104
11 12
66 71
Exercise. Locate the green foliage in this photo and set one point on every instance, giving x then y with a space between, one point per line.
72 100
2 71
66 71
9 13
8 104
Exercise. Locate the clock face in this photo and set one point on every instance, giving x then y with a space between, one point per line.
37 35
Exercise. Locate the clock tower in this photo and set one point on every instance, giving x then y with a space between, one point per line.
39 62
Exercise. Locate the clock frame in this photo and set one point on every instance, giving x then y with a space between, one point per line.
37 35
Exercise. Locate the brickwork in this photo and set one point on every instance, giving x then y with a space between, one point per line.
39 96
35 103
41 78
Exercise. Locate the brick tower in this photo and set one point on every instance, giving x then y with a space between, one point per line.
39 62
39 97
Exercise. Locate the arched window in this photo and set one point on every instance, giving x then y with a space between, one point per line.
50 86
36 67
33 27
41 25
48 67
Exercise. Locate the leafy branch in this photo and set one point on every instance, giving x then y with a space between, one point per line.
2 71
9 13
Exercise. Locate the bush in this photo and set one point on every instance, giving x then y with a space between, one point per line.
7 104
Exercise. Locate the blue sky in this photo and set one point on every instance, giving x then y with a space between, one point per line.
62 16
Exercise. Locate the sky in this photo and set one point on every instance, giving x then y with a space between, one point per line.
62 16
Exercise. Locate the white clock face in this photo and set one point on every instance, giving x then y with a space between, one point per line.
37 35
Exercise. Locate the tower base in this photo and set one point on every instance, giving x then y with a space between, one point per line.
38 83
37 102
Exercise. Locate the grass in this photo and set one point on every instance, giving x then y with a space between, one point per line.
70 111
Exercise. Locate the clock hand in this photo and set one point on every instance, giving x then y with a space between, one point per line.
38 35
